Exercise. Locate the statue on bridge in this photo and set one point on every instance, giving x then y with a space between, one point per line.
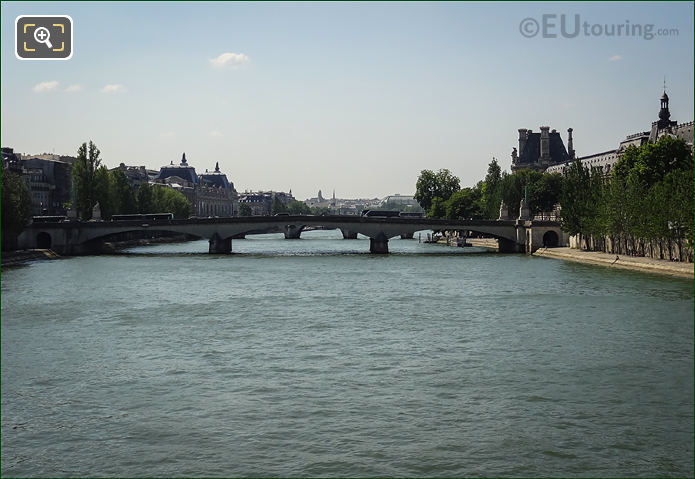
96 212
504 211
524 211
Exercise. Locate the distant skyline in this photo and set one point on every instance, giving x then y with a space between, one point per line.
351 97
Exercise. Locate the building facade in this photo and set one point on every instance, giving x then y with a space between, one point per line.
210 194
538 151
261 202
50 184
662 127
137 175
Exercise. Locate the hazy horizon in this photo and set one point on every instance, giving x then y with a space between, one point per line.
352 97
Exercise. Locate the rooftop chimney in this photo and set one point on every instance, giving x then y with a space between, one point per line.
545 144
570 144
523 135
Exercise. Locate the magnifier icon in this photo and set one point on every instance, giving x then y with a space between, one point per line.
42 35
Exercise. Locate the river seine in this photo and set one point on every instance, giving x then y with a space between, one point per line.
312 357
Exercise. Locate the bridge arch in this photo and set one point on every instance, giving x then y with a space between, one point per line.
142 233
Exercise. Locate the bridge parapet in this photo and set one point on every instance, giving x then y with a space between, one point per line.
74 238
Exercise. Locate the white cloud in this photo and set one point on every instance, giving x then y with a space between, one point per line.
113 88
167 134
232 60
615 58
46 86
215 134
74 88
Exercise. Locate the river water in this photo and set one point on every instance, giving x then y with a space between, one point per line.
312 357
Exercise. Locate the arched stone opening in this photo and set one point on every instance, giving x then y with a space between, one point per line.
551 239
43 240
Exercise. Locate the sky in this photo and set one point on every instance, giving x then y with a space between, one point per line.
352 97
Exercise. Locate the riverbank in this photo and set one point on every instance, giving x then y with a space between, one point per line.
16 258
636 263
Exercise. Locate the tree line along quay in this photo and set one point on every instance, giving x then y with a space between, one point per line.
636 200
644 207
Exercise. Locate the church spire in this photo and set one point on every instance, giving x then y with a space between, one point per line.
217 167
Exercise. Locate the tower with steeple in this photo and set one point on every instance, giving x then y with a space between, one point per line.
664 114
663 125
606 160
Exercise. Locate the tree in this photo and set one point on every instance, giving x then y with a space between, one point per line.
278 206
437 208
514 187
677 188
574 198
168 200
653 161
491 191
545 193
123 193
16 207
441 184
104 192
245 209
144 198
298 208
84 175
465 203
320 210
651 194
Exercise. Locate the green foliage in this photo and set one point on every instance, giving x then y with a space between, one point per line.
104 192
545 193
123 194
298 208
650 163
168 200
491 191
278 206
512 190
245 209
318 211
94 183
465 204
437 208
430 185
582 199
649 195
145 201
16 204
84 179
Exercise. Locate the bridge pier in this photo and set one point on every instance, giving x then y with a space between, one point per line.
219 245
379 245
293 231
509 246
347 234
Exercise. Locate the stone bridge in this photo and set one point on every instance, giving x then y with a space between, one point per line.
76 238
